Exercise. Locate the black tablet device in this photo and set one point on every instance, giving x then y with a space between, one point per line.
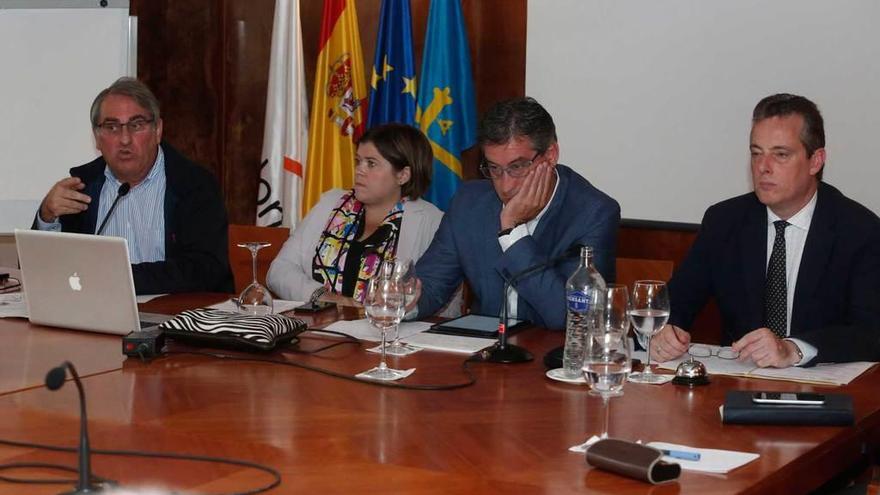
477 326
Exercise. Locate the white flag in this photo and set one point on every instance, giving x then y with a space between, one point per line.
286 132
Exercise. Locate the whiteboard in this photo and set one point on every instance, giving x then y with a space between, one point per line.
653 99
55 58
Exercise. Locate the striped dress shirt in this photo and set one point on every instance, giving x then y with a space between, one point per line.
139 216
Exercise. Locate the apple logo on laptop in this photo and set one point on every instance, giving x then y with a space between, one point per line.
74 282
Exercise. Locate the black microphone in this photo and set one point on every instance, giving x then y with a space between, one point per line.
123 190
502 352
55 380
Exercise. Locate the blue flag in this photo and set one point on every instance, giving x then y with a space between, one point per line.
393 79
446 111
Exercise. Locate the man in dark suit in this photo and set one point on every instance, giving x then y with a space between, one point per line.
173 216
531 210
794 266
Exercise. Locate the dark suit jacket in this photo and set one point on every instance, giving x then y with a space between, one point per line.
196 229
836 305
466 246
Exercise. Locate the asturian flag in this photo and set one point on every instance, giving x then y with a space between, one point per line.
286 130
393 82
446 111
338 113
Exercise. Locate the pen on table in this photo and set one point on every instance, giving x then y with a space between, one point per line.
681 454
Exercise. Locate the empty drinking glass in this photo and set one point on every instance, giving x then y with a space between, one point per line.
405 275
255 299
616 305
384 306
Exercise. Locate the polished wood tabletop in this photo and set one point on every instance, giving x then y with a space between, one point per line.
508 432
27 352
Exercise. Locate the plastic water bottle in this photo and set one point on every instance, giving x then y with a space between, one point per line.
585 300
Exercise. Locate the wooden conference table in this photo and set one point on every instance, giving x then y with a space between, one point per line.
507 433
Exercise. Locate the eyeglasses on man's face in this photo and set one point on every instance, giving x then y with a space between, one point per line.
516 169
703 351
135 126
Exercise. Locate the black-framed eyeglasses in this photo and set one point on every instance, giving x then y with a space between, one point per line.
11 284
704 351
134 126
516 169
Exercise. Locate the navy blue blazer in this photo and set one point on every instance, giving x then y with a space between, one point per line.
196 228
836 305
466 246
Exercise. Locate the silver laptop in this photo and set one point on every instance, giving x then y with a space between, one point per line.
79 281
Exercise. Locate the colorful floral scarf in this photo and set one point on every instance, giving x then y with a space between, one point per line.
342 228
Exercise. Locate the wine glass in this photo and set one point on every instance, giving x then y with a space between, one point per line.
648 312
404 273
255 299
616 305
607 362
384 305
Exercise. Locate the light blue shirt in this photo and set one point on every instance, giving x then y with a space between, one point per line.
139 216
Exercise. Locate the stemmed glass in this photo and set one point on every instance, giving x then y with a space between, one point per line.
404 274
384 305
607 362
255 299
648 312
616 306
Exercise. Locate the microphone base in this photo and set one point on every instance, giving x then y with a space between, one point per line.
105 486
506 354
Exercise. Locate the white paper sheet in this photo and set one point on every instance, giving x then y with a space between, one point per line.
148 297
449 343
13 305
582 447
278 305
711 460
404 374
414 332
823 374
361 329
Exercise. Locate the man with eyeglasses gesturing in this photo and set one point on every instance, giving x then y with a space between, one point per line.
530 211
173 217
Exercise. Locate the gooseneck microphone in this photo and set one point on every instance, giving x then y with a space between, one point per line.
55 380
123 190
502 352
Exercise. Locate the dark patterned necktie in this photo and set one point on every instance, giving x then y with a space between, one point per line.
775 298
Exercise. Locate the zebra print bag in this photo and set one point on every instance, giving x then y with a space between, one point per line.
216 328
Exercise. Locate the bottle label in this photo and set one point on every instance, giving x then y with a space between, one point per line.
578 301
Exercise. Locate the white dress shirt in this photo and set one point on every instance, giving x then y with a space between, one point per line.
795 238
518 233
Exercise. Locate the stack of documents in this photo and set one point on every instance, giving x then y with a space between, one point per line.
13 305
278 305
414 333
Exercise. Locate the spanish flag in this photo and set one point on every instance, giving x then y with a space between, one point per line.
337 117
